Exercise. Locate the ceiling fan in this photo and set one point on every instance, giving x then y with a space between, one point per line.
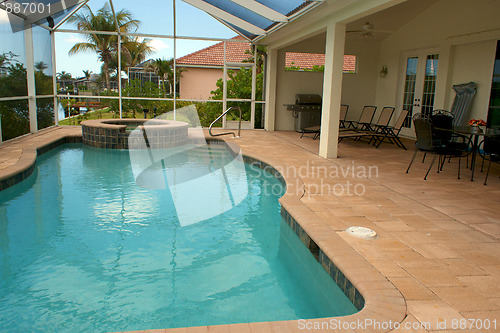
367 30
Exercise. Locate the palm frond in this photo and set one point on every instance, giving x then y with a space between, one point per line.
82 47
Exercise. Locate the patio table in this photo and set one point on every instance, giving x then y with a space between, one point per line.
474 133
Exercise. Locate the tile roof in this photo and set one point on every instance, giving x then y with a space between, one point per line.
308 60
235 52
214 55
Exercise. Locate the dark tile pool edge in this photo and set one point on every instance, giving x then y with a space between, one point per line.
26 171
375 297
335 273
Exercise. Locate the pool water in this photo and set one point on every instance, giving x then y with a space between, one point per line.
83 248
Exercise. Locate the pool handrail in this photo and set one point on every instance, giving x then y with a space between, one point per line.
222 115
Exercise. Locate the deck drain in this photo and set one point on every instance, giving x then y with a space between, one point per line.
361 232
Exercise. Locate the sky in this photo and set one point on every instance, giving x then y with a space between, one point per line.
156 18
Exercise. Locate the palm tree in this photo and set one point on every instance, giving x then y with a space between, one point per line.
103 45
63 75
87 73
136 50
40 66
164 69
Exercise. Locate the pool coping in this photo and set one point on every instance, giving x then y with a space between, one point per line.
384 305
383 302
26 163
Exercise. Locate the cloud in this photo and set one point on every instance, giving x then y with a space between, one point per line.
74 39
158 44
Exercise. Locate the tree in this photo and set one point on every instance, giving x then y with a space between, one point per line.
40 66
103 45
261 51
136 51
6 59
64 76
164 69
87 73
15 114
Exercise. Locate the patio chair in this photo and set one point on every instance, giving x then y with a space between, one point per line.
378 128
343 114
364 121
490 151
424 143
391 133
457 144
430 142
316 130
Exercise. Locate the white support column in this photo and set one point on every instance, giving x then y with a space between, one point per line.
54 74
119 74
224 86
30 73
271 77
254 87
332 89
175 57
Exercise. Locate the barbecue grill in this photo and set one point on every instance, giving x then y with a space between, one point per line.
306 111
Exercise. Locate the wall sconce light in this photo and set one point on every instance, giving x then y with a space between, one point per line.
383 71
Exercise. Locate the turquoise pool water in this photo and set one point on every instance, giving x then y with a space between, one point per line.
83 248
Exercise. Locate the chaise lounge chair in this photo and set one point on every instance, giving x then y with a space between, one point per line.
316 130
374 130
365 119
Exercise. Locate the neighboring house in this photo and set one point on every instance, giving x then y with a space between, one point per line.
143 72
203 68
90 84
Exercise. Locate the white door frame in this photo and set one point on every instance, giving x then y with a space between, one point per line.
419 82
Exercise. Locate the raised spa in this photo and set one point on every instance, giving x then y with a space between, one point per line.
114 133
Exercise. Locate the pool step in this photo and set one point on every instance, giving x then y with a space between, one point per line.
210 152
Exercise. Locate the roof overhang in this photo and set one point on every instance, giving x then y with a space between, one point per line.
254 19
42 12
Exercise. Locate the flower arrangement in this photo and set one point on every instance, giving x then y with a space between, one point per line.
477 122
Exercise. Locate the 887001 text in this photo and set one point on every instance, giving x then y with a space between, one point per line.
26 8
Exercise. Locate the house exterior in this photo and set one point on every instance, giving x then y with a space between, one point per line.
426 46
202 69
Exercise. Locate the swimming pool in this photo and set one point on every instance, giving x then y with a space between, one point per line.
83 248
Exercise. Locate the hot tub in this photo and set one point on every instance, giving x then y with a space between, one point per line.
114 133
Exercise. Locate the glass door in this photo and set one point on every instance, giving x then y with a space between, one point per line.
494 108
420 75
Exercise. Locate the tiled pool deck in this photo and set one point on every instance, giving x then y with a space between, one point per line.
436 261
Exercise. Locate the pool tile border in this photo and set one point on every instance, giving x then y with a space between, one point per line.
376 298
27 162
335 273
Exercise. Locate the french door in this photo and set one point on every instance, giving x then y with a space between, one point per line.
419 85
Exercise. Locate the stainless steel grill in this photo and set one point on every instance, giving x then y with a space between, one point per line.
306 111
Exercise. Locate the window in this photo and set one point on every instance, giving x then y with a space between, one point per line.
315 62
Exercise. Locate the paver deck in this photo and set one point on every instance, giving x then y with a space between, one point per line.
438 242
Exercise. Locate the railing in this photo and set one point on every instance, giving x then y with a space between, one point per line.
222 115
